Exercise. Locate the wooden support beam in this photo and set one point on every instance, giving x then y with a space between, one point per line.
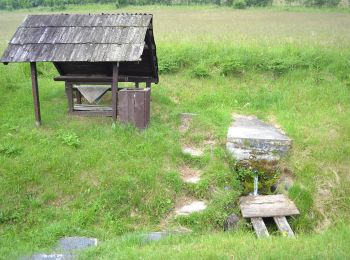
35 91
101 79
148 84
115 91
137 85
78 96
283 226
69 92
259 227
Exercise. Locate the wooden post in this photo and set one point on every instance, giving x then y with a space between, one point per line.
35 91
137 85
115 91
148 84
69 92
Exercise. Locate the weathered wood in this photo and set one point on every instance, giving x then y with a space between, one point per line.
69 92
283 226
259 227
115 91
78 96
267 206
134 107
88 107
153 57
91 113
102 79
35 90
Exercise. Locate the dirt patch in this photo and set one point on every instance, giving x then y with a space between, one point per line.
324 199
61 201
186 119
189 175
89 178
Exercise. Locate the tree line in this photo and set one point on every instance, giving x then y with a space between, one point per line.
61 4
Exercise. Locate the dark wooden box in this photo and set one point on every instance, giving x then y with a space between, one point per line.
134 106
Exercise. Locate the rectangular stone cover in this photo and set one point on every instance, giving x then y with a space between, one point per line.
267 206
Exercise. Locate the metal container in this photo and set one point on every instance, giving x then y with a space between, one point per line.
134 106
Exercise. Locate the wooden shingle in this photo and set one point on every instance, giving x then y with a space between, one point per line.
79 38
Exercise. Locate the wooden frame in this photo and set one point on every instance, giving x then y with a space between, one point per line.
35 90
115 91
91 110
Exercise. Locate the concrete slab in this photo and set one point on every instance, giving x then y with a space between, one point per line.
194 206
49 257
156 236
75 243
249 138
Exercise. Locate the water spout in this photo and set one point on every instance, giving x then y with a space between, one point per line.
256 181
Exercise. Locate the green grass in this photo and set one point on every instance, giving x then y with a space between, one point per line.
239 245
80 176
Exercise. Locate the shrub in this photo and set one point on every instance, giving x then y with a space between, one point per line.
200 71
9 149
240 4
170 63
259 2
233 66
70 139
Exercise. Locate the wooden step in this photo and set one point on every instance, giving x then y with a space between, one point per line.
259 227
283 226
267 206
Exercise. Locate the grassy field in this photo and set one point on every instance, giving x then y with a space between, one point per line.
79 176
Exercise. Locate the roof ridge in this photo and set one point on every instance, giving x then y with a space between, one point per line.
139 14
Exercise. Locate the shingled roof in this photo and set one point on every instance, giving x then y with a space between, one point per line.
79 38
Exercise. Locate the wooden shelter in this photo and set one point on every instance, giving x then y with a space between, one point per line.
90 49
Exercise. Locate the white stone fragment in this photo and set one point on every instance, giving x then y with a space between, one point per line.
195 152
194 206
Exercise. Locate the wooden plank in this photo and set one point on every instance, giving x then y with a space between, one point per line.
97 78
91 113
115 91
123 106
259 227
86 107
267 206
35 90
283 226
69 92
152 55
139 109
147 106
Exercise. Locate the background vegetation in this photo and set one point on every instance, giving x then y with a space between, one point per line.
239 4
79 176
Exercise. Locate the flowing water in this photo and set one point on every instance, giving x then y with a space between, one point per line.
256 181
